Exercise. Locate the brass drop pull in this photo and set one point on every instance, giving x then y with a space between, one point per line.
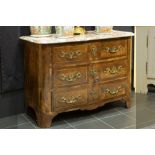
70 55
113 70
113 91
94 51
112 49
71 100
94 75
71 78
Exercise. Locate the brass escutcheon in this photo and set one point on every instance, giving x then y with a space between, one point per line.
94 51
93 74
93 94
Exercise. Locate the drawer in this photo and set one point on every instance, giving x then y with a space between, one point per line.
113 70
67 54
70 76
113 48
70 97
108 70
113 89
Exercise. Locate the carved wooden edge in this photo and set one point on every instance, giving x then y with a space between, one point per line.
45 82
44 108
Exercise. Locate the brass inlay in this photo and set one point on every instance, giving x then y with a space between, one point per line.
113 91
113 70
72 77
113 49
71 100
70 55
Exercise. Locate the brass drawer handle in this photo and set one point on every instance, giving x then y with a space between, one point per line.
113 70
93 74
94 51
112 49
113 91
71 78
71 100
70 55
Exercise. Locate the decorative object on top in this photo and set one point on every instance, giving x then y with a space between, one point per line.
79 30
103 29
64 31
40 30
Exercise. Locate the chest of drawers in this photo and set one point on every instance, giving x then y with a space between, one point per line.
76 75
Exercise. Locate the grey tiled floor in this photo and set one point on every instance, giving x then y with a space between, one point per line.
111 116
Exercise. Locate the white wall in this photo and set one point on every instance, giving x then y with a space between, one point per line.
141 52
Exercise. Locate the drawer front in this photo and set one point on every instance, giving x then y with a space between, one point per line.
70 54
113 48
113 70
108 70
70 76
70 97
113 89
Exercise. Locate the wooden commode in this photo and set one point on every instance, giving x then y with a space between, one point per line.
83 72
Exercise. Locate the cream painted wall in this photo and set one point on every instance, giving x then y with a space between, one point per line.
151 54
141 58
